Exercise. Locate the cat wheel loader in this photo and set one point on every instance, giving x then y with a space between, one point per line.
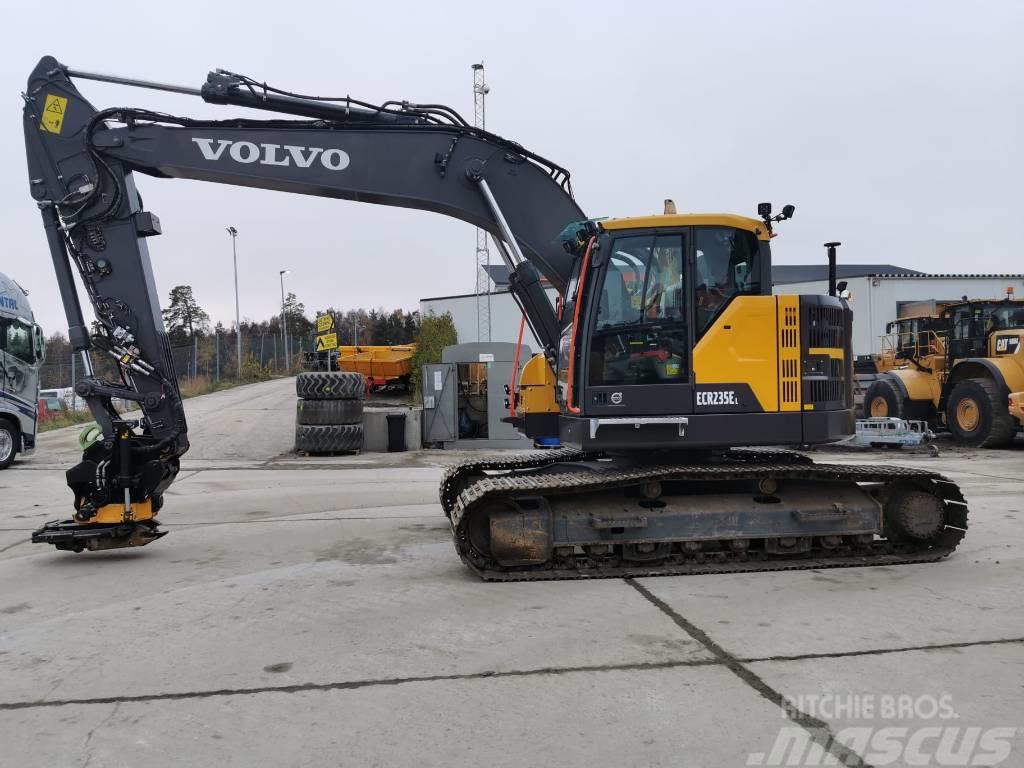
666 350
961 373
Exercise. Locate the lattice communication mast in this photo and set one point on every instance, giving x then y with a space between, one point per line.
483 255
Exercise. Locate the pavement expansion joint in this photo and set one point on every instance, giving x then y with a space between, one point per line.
17 543
357 684
819 731
883 651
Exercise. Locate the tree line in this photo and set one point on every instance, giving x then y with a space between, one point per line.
184 318
202 348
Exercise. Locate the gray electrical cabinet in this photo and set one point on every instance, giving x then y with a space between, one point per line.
440 418
464 396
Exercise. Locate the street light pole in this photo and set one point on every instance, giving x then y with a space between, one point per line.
238 322
284 323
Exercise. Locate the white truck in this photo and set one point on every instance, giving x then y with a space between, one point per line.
21 353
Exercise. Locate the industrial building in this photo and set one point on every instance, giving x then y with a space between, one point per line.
877 293
505 316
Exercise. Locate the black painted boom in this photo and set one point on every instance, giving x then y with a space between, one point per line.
80 164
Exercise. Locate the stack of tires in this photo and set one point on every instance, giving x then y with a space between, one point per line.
329 412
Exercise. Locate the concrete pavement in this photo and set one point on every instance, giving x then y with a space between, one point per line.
313 612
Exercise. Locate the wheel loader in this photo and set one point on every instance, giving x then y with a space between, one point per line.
665 352
960 373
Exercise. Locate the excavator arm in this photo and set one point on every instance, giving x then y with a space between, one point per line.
81 165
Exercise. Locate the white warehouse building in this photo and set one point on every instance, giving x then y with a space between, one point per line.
878 293
505 316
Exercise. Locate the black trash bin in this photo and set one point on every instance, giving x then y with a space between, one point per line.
396 432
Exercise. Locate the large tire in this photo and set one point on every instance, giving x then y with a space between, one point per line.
333 438
977 414
330 385
320 412
884 398
8 443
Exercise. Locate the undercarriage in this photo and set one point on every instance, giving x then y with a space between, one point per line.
567 514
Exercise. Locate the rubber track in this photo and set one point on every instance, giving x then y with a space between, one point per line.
736 466
455 476
452 483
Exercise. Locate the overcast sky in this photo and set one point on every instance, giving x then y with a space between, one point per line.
893 127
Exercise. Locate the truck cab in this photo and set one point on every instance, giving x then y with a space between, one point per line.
21 353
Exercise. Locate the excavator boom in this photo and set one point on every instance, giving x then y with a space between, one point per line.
81 165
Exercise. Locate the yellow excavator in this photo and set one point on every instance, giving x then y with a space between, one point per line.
666 349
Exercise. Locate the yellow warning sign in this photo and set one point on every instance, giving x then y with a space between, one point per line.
324 323
53 114
327 341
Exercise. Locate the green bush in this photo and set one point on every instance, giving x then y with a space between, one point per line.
435 333
253 371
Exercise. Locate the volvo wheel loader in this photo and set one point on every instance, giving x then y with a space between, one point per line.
665 352
959 372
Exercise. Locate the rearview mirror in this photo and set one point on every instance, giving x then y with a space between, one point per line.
39 343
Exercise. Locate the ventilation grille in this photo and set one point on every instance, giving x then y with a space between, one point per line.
825 371
832 389
789 357
824 327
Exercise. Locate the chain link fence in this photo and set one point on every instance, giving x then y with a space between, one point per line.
215 357
212 357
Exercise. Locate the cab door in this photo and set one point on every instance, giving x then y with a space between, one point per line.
636 357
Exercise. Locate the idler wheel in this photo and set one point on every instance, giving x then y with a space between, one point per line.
914 514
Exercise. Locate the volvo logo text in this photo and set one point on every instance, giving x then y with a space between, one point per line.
272 154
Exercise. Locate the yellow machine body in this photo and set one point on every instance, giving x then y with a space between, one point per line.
689 220
754 341
114 513
1016 404
536 388
930 385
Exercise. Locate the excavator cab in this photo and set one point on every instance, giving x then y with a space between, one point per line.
671 339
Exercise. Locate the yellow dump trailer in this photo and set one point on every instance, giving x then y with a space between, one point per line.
382 366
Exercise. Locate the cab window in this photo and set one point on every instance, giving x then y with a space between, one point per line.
640 333
16 339
726 265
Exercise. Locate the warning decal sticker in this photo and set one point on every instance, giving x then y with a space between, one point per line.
53 114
